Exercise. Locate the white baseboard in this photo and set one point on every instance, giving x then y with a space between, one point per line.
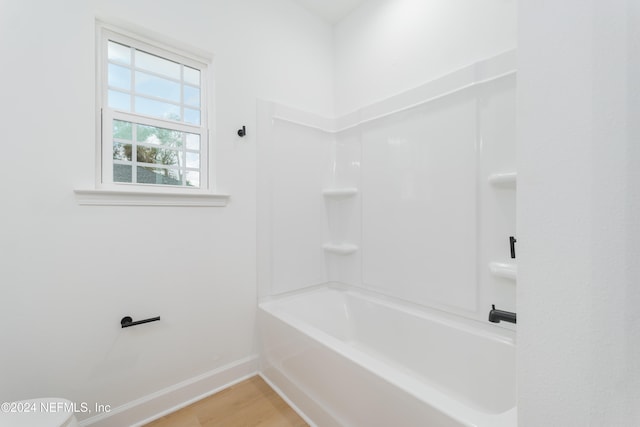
289 401
177 396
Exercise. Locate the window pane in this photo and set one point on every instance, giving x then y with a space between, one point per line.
157 65
159 136
121 173
122 130
121 151
148 175
192 116
147 84
119 77
192 76
191 95
193 179
193 160
118 52
157 108
119 101
193 141
159 156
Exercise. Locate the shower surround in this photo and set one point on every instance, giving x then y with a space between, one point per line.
411 200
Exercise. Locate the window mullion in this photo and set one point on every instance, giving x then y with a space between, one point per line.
107 147
152 121
132 88
183 171
134 154
182 91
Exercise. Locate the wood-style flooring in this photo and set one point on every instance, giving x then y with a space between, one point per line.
247 404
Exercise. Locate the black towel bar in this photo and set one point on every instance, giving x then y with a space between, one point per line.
128 321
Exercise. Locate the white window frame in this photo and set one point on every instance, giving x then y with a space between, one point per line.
106 191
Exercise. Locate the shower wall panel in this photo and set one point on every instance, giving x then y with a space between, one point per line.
419 203
294 164
412 197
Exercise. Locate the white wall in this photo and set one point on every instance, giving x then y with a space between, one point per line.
388 46
69 273
579 213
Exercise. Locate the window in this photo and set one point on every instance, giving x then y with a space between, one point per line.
153 116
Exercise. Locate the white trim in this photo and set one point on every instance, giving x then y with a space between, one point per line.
314 412
156 405
143 119
153 74
100 197
149 37
289 402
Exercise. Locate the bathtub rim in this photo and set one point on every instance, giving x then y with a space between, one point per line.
463 413
483 328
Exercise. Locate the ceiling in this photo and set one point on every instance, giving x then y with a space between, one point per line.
331 10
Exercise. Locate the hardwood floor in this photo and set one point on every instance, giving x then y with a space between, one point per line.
247 404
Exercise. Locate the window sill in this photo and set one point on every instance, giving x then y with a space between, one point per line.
148 198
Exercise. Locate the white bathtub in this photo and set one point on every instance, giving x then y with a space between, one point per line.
347 358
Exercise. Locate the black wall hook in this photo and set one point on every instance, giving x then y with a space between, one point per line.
512 244
242 132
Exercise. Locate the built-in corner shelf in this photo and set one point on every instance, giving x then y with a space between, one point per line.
340 249
504 269
338 193
505 179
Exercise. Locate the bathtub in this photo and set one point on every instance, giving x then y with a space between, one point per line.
346 357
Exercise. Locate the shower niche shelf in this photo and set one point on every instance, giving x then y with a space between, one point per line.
504 179
340 248
504 269
339 193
